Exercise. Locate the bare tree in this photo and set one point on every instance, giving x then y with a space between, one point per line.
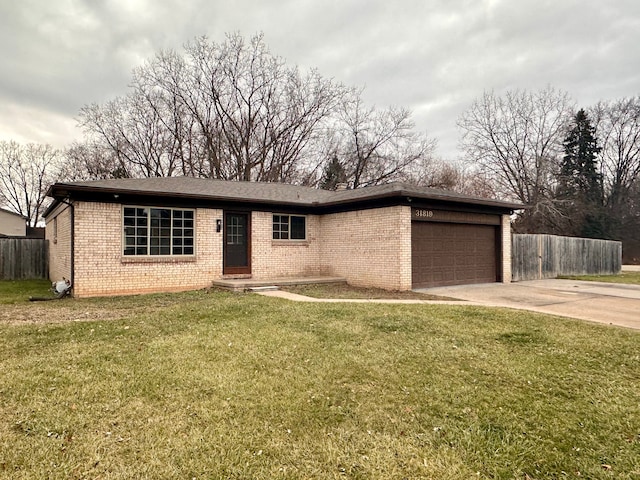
26 171
267 113
454 176
377 146
234 111
618 127
230 110
517 139
135 132
174 90
90 161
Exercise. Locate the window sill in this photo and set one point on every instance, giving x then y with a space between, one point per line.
159 259
290 243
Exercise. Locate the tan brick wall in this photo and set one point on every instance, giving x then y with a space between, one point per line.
283 258
368 247
506 249
101 269
58 232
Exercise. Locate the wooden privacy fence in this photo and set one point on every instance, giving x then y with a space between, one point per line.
23 258
548 256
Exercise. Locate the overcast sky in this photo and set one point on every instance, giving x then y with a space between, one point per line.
432 56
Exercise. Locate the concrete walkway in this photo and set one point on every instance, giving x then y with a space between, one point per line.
302 298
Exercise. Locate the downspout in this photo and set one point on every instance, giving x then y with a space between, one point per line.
72 241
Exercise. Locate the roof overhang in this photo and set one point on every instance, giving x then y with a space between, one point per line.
321 203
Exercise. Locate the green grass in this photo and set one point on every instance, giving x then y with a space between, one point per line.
346 291
217 385
20 290
624 277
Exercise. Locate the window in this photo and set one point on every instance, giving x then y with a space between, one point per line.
289 227
235 231
158 231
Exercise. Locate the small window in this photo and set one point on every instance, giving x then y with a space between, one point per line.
289 227
157 231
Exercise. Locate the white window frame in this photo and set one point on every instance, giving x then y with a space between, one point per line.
277 235
175 241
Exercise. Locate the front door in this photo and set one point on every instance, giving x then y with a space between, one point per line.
237 244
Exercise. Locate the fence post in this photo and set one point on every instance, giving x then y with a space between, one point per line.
539 257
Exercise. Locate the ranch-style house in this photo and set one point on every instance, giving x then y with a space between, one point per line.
130 236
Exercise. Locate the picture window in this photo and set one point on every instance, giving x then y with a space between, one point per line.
151 231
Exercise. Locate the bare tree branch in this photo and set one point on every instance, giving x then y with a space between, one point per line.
517 140
26 171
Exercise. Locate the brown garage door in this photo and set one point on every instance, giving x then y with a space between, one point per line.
452 254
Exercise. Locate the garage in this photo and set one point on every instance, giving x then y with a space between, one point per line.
445 253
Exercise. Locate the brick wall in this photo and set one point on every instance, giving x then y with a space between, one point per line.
368 247
283 258
58 232
506 249
101 269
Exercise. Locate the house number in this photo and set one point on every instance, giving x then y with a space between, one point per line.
424 213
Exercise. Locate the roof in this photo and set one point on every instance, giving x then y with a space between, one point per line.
12 213
259 192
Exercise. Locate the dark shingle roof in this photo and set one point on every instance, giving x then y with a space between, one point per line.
260 192
201 188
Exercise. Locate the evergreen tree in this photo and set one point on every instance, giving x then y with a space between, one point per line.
333 175
580 188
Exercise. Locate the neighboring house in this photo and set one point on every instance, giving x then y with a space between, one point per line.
12 224
127 236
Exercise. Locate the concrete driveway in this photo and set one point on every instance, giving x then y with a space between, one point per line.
609 303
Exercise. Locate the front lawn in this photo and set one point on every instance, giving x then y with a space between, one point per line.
346 291
623 277
220 385
19 291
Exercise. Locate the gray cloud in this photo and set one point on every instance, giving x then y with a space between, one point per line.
434 57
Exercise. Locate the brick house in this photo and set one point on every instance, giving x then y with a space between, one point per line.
127 236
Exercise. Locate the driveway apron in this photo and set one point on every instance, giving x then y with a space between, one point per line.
608 303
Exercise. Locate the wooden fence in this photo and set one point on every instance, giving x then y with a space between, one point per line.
23 258
549 256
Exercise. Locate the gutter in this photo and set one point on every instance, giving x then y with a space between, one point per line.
73 236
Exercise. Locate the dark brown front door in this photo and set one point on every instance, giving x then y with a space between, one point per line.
452 254
237 244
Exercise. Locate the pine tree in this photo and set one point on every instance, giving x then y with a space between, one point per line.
333 175
580 188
